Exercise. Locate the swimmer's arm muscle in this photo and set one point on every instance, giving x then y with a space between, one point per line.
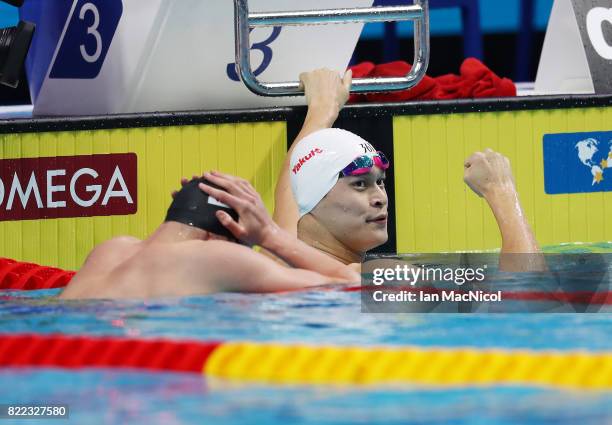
520 250
255 273
489 175
326 94
286 213
301 255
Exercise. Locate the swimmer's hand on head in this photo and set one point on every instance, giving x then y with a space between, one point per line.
489 175
256 227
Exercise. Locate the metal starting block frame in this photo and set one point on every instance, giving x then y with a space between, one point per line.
245 21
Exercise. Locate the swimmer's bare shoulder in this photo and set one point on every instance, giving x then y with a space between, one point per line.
101 261
114 249
107 255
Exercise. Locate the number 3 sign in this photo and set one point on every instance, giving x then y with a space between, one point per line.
577 53
87 37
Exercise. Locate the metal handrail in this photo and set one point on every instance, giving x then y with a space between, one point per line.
244 21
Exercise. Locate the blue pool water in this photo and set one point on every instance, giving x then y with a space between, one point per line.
316 317
330 317
109 397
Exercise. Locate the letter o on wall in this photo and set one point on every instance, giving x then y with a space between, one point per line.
1 191
595 19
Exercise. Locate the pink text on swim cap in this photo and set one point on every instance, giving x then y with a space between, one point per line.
303 159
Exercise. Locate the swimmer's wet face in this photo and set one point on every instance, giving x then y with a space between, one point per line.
337 178
355 210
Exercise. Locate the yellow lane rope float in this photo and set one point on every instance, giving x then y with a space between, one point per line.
299 364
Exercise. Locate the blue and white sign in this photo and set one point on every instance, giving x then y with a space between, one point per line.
578 162
87 38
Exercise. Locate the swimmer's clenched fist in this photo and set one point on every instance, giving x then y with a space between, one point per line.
488 171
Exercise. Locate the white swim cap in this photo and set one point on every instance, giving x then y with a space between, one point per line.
317 161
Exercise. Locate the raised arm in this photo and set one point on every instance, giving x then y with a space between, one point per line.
255 227
326 94
489 175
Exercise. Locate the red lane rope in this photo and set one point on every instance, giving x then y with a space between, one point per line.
16 275
81 351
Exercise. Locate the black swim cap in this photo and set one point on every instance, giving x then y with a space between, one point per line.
195 208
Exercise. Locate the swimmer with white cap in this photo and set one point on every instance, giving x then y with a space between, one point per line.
331 188
338 181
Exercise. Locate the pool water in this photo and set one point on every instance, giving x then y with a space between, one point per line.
110 397
328 317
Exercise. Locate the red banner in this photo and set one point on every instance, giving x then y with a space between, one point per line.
68 186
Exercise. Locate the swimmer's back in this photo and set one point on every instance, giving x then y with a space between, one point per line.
130 268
